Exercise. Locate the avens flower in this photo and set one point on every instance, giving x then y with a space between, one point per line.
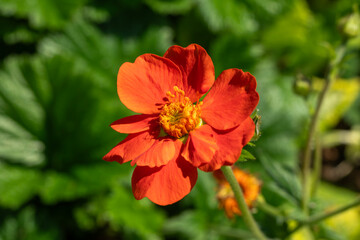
249 184
176 133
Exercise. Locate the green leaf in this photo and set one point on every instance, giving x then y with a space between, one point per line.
189 225
17 100
21 114
283 115
282 176
43 13
37 96
121 209
226 49
100 56
297 29
269 8
185 224
24 226
17 185
246 155
228 15
20 35
106 172
170 6
23 93
18 145
84 181
157 39
59 187
196 225
297 20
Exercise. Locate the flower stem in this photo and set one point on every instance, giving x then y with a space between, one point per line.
319 217
330 77
322 216
317 167
239 196
269 209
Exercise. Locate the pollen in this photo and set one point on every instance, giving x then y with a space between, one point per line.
179 116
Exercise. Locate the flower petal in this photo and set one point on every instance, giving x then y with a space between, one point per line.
200 146
230 144
160 153
231 100
135 123
166 184
131 147
197 69
142 85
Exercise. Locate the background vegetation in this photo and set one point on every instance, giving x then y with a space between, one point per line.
59 61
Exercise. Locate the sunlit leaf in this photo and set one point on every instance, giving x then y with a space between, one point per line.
346 223
341 96
17 99
18 145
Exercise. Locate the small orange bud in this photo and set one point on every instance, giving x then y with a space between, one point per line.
249 184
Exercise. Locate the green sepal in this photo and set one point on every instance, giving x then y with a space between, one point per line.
246 155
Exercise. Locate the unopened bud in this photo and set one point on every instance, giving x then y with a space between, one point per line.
349 25
302 85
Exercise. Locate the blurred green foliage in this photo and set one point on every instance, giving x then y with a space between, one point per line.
58 96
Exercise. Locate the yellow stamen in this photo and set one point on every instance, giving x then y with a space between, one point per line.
179 116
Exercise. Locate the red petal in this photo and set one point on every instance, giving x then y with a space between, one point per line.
166 184
142 85
200 146
231 100
159 154
131 147
230 144
197 69
135 123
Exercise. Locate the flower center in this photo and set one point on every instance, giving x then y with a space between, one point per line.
179 115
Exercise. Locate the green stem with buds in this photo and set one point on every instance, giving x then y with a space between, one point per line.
331 76
239 196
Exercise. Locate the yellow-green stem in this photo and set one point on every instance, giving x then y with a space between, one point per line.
239 196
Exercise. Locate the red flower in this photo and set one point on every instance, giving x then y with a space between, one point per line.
173 136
